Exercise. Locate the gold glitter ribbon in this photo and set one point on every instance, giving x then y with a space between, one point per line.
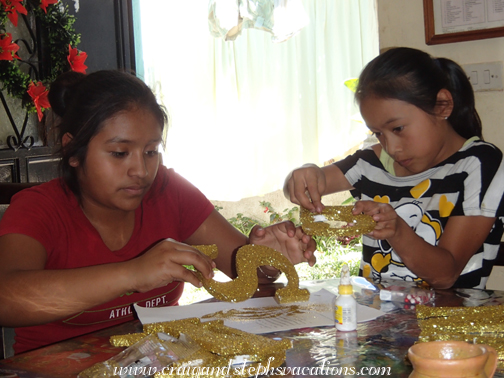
219 344
248 259
478 325
354 224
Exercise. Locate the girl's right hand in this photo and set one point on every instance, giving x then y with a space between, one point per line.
304 186
163 264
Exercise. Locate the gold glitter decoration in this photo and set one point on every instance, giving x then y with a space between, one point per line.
254 313
479 325
208 250
173 327
356 224
213 336
248 259
126 340
219 345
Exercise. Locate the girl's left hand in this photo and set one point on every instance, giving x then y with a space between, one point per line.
387 220
287 239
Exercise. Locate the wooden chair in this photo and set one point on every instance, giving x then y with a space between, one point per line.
7 190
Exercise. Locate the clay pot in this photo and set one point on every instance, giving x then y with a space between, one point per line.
452 359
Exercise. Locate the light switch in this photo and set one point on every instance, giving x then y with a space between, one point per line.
486 76
474 77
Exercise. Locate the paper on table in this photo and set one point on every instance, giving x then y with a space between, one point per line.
317 312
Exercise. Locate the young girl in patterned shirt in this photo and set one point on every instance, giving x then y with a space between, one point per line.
432 184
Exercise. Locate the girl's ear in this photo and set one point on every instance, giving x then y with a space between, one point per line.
73 162
67 137
444 106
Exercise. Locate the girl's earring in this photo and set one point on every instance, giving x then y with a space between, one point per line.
445 117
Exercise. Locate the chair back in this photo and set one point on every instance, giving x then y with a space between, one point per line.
8 189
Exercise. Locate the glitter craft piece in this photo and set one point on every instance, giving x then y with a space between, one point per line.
219 344
478 325
355 224
248 259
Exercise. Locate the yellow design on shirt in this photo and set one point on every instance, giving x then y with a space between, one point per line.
420 189
445 207
384 199
378 261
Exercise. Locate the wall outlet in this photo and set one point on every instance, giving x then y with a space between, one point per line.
485 76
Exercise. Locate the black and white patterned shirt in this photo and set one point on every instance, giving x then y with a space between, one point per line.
468 183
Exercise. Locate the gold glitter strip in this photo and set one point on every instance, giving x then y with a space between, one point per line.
356 224
479 325
248 259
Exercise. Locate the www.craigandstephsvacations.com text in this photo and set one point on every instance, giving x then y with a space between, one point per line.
247 370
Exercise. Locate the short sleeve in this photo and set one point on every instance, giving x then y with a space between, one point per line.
176 194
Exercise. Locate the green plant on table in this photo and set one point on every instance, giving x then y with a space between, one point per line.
291 214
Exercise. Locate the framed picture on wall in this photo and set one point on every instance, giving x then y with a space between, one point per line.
448 21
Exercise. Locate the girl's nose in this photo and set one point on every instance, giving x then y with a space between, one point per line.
392 146
138 166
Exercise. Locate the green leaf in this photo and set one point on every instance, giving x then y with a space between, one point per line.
352 84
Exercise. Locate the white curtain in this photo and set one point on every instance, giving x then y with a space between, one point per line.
244 113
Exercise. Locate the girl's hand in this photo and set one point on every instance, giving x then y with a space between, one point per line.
304 186
387 220
163 264
287 239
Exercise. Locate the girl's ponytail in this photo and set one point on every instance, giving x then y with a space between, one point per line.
464 117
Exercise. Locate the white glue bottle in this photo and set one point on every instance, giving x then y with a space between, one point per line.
345 306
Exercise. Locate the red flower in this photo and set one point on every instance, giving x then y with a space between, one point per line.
7 48
11 8
266 209
39 95
45 3
76 59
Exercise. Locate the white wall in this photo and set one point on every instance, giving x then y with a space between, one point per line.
401 23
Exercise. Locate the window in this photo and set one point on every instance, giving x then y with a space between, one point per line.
246 112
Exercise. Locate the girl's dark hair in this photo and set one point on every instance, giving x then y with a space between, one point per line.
85 102
415 77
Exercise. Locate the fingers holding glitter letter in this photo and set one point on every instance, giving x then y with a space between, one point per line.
287 239
383 214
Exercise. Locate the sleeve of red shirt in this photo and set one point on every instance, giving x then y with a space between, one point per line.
190 204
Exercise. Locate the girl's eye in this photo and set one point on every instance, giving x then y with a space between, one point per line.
119 154
152 153
398 129
377 134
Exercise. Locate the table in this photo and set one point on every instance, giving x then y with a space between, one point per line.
378 344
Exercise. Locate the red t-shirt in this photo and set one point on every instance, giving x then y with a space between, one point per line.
173 208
